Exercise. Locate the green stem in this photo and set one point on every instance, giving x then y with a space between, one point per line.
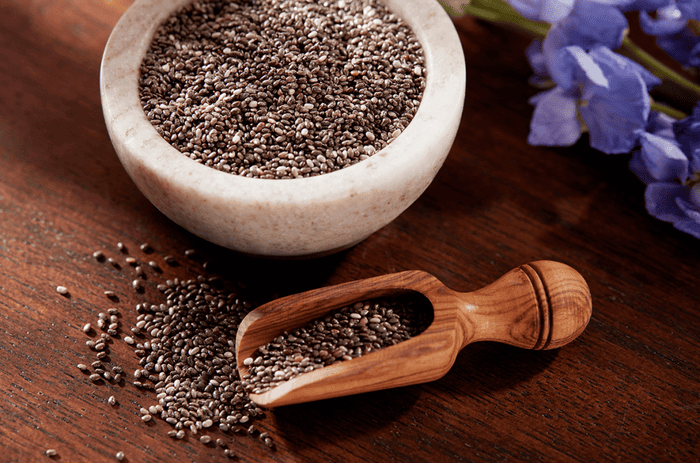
657 68
673 112
500 12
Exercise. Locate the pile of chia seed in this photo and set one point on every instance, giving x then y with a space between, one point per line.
184 343
351 332
282 88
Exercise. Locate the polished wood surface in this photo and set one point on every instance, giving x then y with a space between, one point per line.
542 305
627 389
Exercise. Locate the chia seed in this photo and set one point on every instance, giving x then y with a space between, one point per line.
185 350
270 89
351 332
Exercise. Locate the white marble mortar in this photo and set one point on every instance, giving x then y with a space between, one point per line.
284 217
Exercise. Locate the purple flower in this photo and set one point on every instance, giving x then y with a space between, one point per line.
674 203
673 34
609 91
671 170
682 46
587 26
668 21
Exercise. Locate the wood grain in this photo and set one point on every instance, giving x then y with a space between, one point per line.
627 389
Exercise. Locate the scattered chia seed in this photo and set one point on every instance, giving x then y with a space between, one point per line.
186 358
62 290
51 453
269 89
99 255
120 456
349 333
121 248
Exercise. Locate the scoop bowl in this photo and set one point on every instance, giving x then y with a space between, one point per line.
541 305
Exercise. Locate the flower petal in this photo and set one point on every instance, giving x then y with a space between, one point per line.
555 10
680 46
543 10
643 5
663 159
661 26
661 201
535 57
661 125
617 114
588 25
688 226
604 56
689 8
554 120
691 223
695 162
638 167
572 65
591 23
687 133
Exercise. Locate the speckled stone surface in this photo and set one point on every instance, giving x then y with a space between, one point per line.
284 218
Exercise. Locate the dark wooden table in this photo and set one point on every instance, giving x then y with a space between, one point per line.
627 390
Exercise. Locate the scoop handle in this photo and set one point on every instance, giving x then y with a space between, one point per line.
540 305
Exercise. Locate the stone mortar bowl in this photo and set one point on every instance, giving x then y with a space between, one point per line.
284 218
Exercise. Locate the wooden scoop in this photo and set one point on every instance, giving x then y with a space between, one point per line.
541 305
